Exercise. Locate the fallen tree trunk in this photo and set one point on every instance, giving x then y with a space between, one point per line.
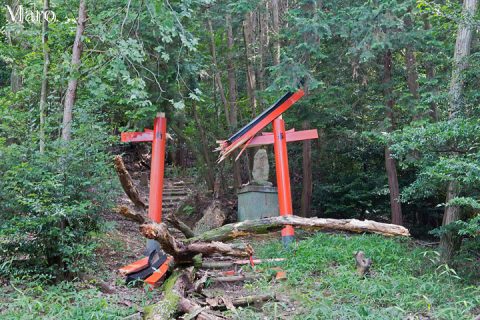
266 225
183 253
127 183
174 300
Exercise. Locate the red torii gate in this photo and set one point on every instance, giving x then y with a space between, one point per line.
245 138
158 138
152 269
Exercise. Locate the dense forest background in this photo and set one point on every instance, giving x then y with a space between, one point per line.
391 86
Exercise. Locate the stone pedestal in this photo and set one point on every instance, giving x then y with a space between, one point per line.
256 202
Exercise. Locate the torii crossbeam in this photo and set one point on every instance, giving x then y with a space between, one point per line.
246 137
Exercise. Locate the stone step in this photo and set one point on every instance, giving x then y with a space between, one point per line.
175 193
169 204
175 189
167 198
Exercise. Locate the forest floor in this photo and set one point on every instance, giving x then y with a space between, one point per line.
406 281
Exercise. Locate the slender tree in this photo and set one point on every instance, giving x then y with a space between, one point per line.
307 184
390 163
75 65
276 31
44 86
449 240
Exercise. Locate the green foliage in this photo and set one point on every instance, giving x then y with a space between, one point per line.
62 301
51 203
405 281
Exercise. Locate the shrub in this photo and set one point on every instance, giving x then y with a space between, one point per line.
50 203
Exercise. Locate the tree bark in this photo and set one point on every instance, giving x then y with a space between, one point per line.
263 47
75 65
362 263
411 63
16 80
131 215
390 163
183 252
276 32
175 303
245 228
127 183
232 85
210 177
219 303
430 73
449 241
307 186
232 94
251 81
218 79
44 85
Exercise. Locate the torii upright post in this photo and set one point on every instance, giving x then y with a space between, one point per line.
158 138
157 168
283 177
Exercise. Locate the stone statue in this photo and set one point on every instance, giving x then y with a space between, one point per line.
260 168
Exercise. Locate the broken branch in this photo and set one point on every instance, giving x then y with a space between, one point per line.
127 183
183 253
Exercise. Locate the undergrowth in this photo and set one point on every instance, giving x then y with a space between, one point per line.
66 300
406 281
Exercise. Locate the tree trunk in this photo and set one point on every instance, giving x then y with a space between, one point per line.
251 81
411 66
210 176
16 80
232 85
127 183
232 94
411 63
262 226
44 87
390 163
307 187
263 48
449 240
276 32
430 73
218 78
183 252
75 65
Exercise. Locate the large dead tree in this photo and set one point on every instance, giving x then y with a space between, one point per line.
266 225
210 242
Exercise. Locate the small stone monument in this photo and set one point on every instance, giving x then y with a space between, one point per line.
261 169
258 199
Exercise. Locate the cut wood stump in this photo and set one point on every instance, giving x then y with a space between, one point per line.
363 263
